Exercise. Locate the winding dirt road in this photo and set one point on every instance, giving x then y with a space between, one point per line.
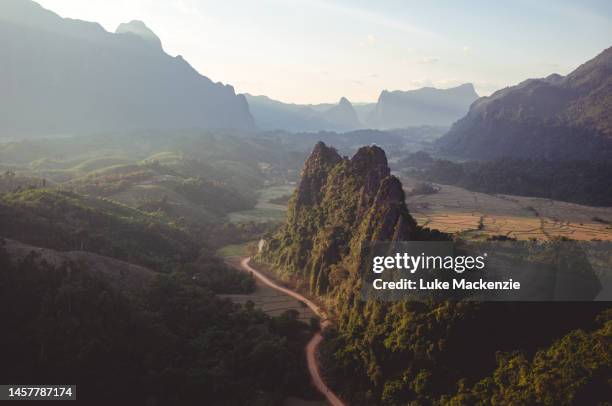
313 344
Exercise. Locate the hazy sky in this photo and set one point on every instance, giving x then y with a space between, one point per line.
318 50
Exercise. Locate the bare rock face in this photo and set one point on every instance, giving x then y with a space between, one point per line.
322 159
339 207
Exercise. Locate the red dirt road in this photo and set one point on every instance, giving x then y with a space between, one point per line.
313 344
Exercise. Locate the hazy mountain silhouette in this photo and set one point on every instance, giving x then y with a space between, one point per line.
343 115
425 106
397 109
272 114
555 117
61 76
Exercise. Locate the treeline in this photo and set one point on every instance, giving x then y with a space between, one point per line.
174 342
583 182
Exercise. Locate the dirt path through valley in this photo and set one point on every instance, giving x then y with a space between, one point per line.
313 344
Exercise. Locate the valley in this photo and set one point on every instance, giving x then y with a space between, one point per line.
316 203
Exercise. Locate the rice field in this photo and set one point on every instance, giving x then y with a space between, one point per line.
479 215
265 211
232 250
271 301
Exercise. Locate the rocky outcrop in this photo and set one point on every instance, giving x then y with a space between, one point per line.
557 118
339 207
321 160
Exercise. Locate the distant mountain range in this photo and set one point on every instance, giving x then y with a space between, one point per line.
65 76
425 106
555 118
271 114
396 109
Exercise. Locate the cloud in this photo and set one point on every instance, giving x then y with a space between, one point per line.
441 83
467 49
418 83
427 60
370 40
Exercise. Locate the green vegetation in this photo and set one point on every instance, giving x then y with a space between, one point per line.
174 342
212 195
161 205
267 209
67 221
163 202
281 200
573 370
193 176
221 235
156 187
258 215
471 353
232 250
11 182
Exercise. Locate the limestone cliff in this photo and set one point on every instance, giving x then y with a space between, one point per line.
339 207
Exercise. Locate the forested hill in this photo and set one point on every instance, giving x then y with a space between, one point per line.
339 206
79 306
555 117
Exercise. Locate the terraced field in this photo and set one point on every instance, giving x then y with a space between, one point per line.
479 215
